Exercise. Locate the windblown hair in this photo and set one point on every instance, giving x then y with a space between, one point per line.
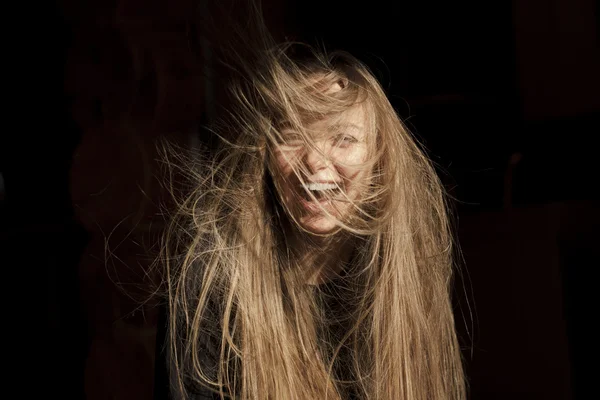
239 295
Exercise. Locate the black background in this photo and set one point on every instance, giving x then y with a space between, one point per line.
479 83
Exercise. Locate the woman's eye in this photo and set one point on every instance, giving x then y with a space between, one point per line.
291 141
345 140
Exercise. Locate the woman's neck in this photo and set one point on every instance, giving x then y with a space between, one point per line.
323 258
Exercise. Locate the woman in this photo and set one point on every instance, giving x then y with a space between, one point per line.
312 260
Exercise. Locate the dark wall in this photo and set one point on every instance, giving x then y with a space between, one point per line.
504 96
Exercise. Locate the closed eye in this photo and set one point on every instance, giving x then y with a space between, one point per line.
291 140
344 140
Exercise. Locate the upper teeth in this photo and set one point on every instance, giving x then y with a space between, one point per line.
320 186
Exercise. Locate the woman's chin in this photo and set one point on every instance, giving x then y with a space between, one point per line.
319 225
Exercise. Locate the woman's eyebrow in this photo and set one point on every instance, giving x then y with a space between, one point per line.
347 126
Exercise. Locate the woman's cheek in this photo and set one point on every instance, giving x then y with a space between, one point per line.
283 175
285 161
355 176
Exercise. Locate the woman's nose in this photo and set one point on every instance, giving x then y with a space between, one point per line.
316 158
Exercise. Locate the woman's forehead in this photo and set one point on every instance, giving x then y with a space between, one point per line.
353 119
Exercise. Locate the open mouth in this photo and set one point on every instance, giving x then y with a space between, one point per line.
320 191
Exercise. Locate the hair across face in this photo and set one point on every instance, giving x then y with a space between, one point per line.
323 173
318 139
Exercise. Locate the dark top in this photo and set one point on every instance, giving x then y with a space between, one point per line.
333 308
162 383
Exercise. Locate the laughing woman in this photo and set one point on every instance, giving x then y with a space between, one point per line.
312 260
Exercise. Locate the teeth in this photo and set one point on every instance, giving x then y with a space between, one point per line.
320 186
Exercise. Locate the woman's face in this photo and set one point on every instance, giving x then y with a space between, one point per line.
323 183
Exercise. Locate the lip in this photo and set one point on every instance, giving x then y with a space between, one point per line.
315 206
325 181
338 184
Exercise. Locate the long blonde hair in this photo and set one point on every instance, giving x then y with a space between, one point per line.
237 296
